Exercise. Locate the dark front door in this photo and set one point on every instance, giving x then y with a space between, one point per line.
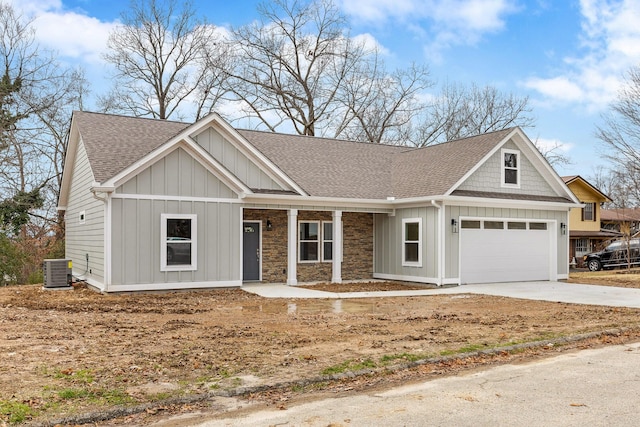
251 251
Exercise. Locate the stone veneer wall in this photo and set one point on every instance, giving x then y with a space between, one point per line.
357 230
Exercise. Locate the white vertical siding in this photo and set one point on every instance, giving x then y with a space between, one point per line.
88 238
388 238
165 188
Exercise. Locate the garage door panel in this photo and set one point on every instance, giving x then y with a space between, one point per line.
504 255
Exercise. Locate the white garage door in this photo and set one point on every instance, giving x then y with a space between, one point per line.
504 251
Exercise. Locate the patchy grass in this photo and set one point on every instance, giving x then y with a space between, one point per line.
15 412
349 366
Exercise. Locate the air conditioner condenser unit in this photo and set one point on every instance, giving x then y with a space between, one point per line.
57 273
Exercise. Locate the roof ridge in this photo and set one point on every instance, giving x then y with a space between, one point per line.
131 117
323 138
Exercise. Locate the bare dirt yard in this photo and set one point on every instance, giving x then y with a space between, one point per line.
68 353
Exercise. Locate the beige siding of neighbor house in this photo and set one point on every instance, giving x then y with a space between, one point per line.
452 240
236 162
389 241
165 188
585 194
86 239
488 177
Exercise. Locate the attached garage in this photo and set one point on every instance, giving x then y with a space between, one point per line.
506 250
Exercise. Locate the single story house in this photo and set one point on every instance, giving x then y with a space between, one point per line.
155 204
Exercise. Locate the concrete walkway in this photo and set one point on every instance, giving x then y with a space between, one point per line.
544 291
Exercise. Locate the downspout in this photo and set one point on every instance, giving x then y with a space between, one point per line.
439 243
104 195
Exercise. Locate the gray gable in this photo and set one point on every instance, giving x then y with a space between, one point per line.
433 170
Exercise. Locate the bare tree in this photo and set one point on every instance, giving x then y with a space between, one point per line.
380 107
160 55
290 66
37 98
620 132
459 111
553 154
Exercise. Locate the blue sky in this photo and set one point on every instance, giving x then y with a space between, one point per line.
568 56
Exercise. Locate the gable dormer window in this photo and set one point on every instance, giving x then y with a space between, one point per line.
510 168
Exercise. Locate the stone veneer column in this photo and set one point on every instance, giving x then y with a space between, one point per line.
292 247
336 275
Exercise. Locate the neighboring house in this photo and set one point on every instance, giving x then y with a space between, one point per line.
585 233
152 204
617 219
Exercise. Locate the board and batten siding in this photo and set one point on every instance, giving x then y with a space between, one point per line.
389 240
488 177
86 239
452 240
136 242
165 188
176 174
235 161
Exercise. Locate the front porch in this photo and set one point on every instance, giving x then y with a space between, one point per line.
299 246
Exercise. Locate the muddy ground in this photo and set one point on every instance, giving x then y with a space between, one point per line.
64 353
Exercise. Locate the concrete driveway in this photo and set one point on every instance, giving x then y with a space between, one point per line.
544 291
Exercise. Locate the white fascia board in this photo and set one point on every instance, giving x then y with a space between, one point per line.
552 177
69 162
246 148
524 143
96 187
280 199
190 147
291 199
507 203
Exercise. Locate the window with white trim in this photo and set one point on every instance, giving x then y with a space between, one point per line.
412 242
308 241
582 246
178 239
510 171
327 241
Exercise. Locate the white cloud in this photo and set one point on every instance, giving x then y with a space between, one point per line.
611 42
447 22
73 35
370 43
547 145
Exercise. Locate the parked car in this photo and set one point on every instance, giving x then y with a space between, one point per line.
616 254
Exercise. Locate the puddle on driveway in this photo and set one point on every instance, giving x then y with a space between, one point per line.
336 306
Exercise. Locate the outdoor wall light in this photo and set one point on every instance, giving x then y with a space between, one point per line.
454 225
269 225
563 228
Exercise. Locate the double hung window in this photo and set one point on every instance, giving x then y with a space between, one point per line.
412 242
510 168
178 240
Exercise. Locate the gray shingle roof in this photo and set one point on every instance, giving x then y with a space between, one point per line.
433 170
322 167
115 142
329 167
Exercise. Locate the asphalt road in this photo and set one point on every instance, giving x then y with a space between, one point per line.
598 387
